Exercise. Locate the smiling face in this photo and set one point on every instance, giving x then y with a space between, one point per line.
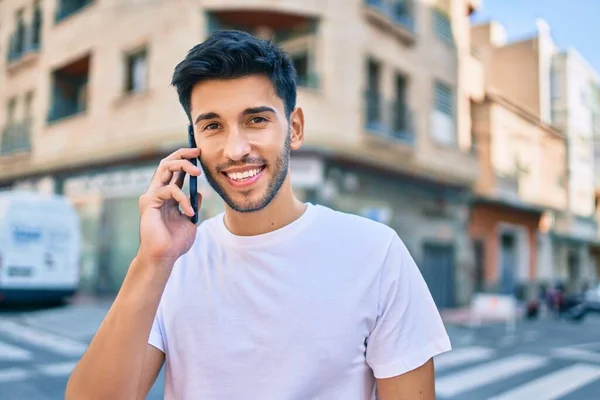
245 139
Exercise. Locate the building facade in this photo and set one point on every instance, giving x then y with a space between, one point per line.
88 112
558 88
522 182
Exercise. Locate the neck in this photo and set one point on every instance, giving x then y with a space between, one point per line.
284 209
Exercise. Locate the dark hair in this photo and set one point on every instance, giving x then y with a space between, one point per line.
232 54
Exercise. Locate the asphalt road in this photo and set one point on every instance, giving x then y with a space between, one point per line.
544 359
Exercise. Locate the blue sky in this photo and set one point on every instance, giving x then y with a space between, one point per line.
573 23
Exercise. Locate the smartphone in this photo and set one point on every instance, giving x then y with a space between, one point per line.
193 179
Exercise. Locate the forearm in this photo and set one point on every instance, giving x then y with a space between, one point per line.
112 365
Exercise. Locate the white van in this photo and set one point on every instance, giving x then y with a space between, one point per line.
40 247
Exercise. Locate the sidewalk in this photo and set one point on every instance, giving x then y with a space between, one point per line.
463 316
78 320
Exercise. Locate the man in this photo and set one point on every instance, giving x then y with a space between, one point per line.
274 299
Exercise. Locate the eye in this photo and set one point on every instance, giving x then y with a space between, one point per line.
211 127
258 120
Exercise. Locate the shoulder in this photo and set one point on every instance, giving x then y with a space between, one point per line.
350 228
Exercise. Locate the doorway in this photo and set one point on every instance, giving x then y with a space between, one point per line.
508 262
438 270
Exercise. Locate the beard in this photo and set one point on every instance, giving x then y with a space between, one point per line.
279 170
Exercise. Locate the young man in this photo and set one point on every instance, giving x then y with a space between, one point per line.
274 299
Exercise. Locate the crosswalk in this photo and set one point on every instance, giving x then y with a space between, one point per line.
27 353
471 372
466 373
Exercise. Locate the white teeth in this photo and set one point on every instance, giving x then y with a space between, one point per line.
238 176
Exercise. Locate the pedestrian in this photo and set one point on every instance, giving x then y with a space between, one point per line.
274 298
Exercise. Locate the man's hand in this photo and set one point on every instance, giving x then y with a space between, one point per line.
166 233
418 384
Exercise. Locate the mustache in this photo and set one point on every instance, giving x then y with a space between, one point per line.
241 163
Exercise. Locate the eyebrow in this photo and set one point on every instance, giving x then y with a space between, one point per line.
247 111
208 115
257 110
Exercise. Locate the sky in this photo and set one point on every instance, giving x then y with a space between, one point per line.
573 23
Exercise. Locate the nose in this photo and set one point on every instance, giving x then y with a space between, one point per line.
237 146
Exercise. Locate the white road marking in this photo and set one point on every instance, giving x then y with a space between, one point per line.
8 375
576 354
58 369
462 356
8 352
14 374
554 385
482 375
45 340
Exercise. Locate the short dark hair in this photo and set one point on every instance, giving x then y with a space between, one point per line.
229 54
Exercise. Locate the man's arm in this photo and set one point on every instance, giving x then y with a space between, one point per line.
418 384
119 361
152 364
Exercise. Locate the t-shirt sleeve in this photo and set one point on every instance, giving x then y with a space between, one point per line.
408 330
157 337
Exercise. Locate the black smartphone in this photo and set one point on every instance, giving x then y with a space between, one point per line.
193 179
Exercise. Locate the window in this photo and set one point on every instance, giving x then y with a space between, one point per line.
69 89
443 128
555 88
373 100
443 26
300 61
444 99
28 104
401 115
11 109
19 38
36 26
66 8
137 72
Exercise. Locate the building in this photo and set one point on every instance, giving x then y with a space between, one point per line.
557 88
89 113
522 182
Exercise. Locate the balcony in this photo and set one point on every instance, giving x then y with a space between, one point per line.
389 119
396 17
66 8
294 33
16 138
24 43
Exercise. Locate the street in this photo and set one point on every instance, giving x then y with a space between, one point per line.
544 359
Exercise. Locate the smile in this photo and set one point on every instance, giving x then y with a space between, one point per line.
244 178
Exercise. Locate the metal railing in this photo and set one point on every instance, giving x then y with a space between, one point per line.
401 12
386 118
30 43
402 122
16 137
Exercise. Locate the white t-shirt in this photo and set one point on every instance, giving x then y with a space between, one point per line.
314 310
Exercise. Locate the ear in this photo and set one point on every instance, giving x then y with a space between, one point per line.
296 128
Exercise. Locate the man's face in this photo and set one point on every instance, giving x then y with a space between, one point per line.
245 139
